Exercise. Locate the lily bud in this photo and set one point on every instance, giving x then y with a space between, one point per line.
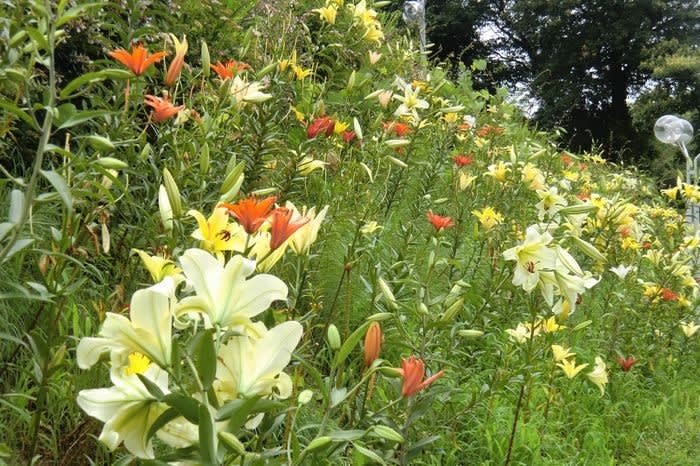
373 343
176 65
333 337
206 60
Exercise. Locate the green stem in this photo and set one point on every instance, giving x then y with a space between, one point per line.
41 148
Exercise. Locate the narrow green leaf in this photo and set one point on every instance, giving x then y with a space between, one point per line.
350 344
38 38
205 355
59 184
207 436
151 386
186 406
81 117
19 113
18 246
364 451
76 12
91 78
167 416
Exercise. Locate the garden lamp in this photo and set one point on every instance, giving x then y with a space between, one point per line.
671 129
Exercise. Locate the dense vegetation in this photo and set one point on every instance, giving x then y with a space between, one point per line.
602 70
239 233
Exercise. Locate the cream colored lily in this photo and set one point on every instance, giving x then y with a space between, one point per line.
598 375
531 257
249 366
147 331
305 236
225 294
410 102
127 409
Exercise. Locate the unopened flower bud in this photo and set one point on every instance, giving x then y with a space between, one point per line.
470 333
305 397
373 342
333 337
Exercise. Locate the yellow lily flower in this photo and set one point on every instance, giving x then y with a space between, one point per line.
159 267
570 368
560 353
216 234
488 217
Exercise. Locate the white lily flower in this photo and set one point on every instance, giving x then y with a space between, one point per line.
244 91
224 294
127 409
249 366
532 257
623 270
550 202
148 331
410 102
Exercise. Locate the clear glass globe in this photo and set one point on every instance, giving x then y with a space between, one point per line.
670 129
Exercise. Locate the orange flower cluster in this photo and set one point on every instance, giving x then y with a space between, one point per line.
229 69
488 130
440 222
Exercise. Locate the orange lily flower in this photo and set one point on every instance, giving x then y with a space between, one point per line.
251 213
282 226
463 160
439 222
229 69
162 108
176 65
138 60
373 343
399 129
413 371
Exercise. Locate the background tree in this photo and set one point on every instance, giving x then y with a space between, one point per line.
584 61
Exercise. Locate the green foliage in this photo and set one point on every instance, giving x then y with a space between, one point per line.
91 172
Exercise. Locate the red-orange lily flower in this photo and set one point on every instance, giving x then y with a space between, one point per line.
626 363
348 136
373 343
399 129
176 65
668 295
282 226
162 108
413 371
320 125
138 60
251 212
229 69
463 160
439 221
